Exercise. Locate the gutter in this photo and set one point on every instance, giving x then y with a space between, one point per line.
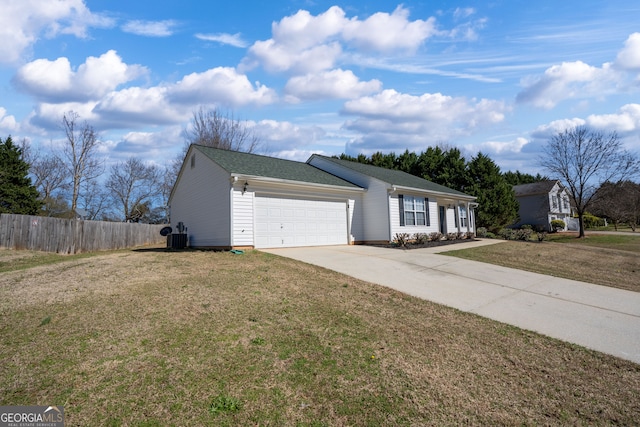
395 188
300 184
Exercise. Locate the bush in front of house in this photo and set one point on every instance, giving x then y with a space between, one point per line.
436 236
482 232
557 225
401 239
420 238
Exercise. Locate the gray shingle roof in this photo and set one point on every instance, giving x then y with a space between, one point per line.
240 163
395 177
540 187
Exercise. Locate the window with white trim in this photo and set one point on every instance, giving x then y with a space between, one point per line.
414 211
463 216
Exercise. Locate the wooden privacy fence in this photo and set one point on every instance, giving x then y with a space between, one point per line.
70 236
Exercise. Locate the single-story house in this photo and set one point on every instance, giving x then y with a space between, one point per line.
541 202
228 199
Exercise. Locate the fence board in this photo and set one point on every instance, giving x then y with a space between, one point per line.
70 236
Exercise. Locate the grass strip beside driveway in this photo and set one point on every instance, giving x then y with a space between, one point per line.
608 260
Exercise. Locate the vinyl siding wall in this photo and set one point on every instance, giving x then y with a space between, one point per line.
412 229
242 216
201 200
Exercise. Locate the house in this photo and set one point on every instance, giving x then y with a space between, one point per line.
228 199
541 202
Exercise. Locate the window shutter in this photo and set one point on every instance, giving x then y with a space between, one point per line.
401 203
456 215
426 212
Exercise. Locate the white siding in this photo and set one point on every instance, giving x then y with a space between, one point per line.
242 216
395 217
371 214
201 200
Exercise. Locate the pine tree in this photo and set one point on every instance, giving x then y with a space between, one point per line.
17 194
498 206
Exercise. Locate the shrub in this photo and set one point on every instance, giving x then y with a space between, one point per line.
542 235
482 232
526 227
591 221
469 235
490 235
401 239
435 236
524 234
557 225
452 236
507 234
420 238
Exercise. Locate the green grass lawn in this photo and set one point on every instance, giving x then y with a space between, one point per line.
155 338
603 259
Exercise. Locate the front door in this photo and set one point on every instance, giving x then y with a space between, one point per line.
443 219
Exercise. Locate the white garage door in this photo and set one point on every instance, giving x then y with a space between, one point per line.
290 222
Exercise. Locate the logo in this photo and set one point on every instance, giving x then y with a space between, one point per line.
31 416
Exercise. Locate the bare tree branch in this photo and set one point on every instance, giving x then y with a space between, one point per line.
584 159
79 154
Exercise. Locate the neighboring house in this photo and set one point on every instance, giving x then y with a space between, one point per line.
542 202
228 199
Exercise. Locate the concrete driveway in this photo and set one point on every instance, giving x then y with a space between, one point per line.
598 317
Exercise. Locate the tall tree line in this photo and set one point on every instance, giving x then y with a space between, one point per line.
479 177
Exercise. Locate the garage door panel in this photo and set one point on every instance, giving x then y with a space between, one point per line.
299 222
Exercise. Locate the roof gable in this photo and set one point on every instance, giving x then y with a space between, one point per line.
393 177
240 163
535 188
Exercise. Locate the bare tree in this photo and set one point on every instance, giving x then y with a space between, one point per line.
132 185
619 202
584 159
214 128
79 154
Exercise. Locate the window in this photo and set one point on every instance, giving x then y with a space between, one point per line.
554 202
463 216
193 161
413 210
566 203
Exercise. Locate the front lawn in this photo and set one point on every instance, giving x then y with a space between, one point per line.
150 338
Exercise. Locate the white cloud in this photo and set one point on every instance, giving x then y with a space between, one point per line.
500 147
388 32
331 84
427 109
150 28
55 81
303 43
392 120
23 22
8 123
234 40
568 80
279 137
49 116
626 121
629 56
556 127
137 106
463 12
221 85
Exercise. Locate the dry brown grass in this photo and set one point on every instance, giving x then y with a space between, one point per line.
154 337
603 260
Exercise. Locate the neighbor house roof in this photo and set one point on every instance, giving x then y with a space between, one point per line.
240 163
540 187
394 177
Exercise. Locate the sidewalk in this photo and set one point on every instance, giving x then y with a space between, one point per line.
598 317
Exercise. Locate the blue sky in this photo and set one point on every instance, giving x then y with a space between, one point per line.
351 77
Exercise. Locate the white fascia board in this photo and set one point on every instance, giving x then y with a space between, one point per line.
394 188
294 184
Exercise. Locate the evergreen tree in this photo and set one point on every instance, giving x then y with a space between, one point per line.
498 206
517 178
17 194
